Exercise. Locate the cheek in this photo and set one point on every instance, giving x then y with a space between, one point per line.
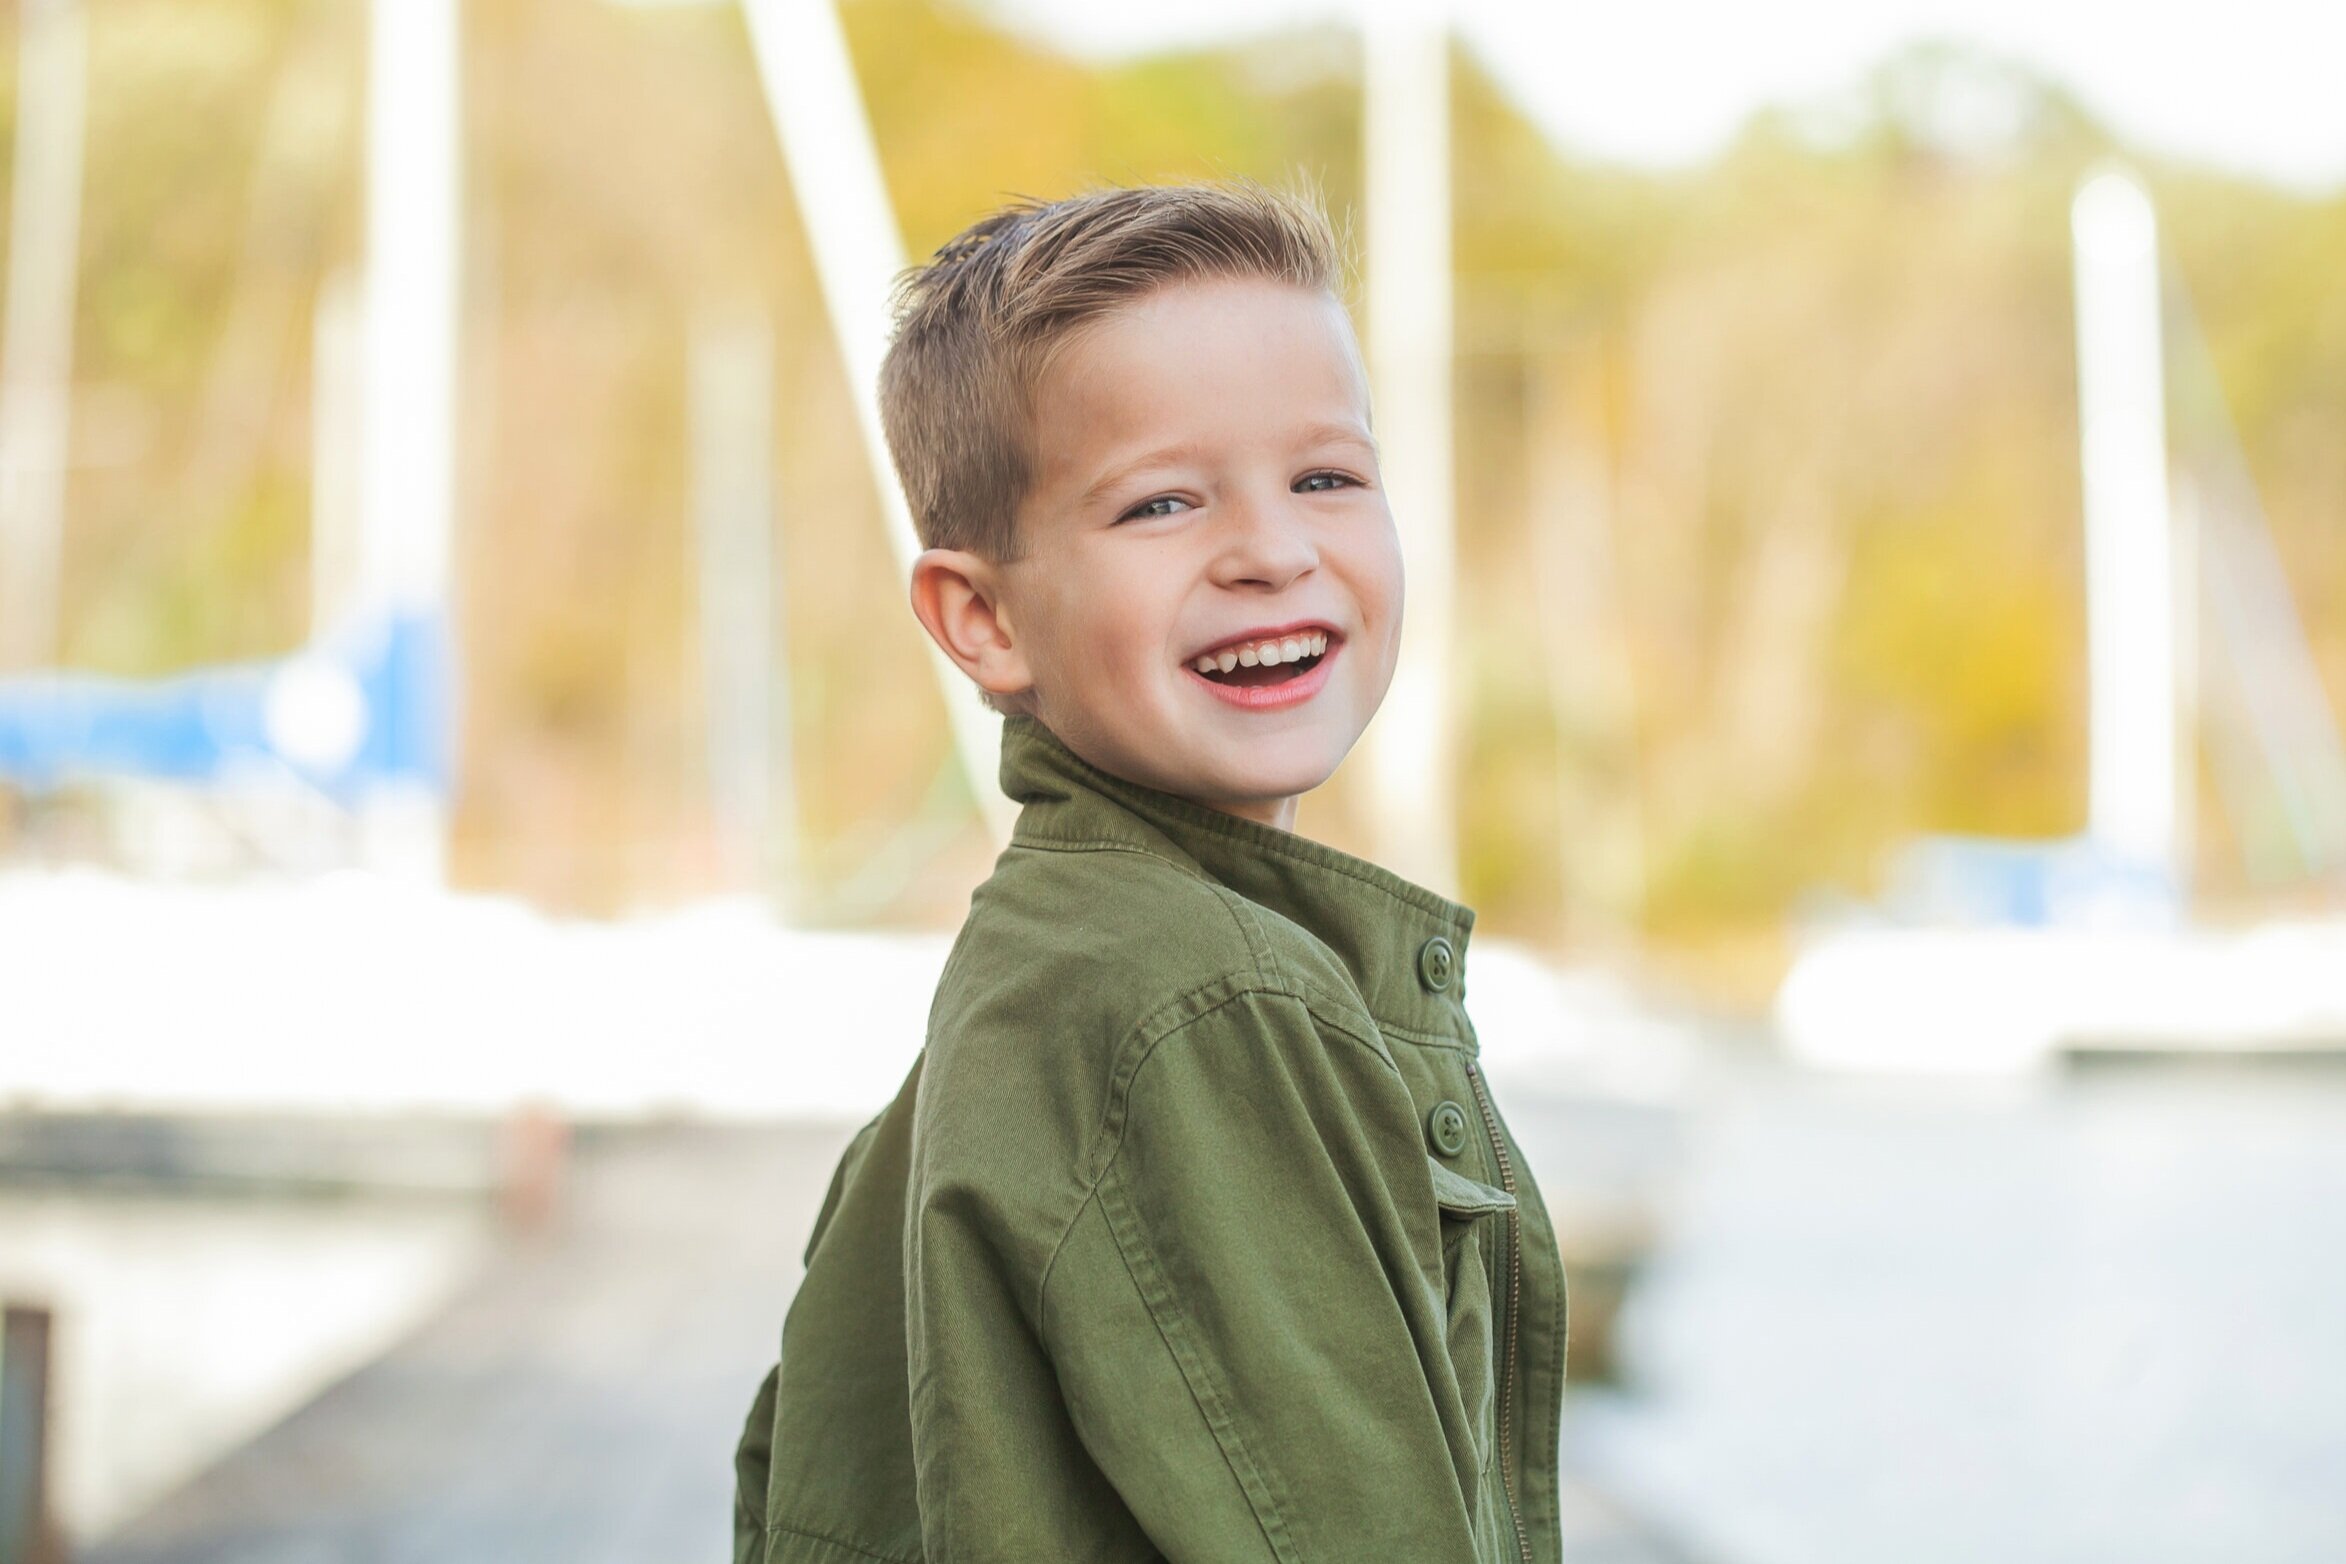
1378 574
1123 619
1382 588
1082 631
1104 641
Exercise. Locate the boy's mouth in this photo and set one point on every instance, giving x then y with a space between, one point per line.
1271 660
1287 670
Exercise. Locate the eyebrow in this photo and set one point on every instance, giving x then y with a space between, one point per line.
1188 450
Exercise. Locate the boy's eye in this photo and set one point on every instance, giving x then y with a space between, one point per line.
1147 507
1309 483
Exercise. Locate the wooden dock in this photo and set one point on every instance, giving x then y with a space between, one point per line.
580 1400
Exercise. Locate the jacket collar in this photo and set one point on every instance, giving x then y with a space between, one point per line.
1375 921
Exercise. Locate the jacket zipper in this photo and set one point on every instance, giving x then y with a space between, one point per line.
1514 1297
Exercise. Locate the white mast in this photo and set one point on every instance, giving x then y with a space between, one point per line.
407 439
745 700
1406 114
336 395
2140 794
36 360
826 140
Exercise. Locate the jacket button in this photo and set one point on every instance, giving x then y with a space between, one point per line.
1436 961
1446 1128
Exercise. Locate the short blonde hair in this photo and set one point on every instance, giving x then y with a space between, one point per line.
975 325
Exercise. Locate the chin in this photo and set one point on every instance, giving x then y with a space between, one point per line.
1269 783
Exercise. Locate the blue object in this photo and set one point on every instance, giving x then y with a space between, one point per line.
1976 881
210 724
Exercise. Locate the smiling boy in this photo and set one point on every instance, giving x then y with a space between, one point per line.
1193 1232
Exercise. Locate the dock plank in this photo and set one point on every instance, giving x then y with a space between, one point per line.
580 1400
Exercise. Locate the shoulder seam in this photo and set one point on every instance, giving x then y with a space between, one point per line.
1111 1129
1255 1481
1111 1133
1251 930
1344 1007
1247 916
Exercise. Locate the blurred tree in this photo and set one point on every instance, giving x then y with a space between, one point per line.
1810 408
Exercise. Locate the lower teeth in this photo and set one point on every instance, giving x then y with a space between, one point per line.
1274 673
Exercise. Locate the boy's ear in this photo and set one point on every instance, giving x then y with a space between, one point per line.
957 597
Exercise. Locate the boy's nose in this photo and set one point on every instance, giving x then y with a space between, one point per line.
1265 541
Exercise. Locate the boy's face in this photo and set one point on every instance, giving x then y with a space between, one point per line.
1205 483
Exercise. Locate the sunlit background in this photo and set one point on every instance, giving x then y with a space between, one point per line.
479 825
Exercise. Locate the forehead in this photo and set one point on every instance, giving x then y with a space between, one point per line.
1228 363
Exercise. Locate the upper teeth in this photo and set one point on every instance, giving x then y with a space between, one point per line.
1265 654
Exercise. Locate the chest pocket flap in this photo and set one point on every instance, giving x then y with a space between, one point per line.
1461 1196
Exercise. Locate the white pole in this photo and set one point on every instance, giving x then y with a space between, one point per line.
407 443
2134 799
335 401
36 360
1407 153
2188 529
826 139
746 715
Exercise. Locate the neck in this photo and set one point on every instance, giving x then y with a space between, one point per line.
1278 813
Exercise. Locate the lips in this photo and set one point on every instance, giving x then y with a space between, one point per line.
1280 690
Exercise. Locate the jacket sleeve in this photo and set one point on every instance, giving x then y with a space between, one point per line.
1247 1320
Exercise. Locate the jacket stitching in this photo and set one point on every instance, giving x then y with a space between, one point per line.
1284 844
1253 1480
1110 1135
1161 1303
1100 844
1343 1007
1163 1308
1409 1034
1258 939
1150 1030
1258 942
775 1527
1300 850
1544 1486
1240 909
1207 1407
1251 930
1343 1027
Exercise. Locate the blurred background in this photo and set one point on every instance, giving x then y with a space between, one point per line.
479 826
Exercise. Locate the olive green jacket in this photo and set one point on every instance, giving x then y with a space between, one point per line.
1193 1233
